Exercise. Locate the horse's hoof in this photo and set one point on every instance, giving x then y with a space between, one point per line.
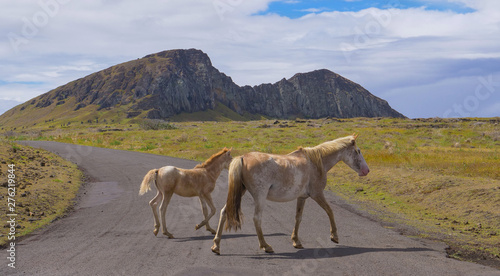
197 227
216 249
334 239
296 243
268 249
155 232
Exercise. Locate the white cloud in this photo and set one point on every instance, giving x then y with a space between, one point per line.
313 10
393 53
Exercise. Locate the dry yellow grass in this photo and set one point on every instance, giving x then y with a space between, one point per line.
44 188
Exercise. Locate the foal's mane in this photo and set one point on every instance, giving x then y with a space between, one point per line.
211 159
316 153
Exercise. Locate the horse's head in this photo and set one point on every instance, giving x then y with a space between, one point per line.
354 159
226 157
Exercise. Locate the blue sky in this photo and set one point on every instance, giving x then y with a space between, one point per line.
2 82
427 58
297 8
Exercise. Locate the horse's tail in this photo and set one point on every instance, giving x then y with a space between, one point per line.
146 182
235 192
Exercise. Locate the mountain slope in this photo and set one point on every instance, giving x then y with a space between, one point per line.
174 82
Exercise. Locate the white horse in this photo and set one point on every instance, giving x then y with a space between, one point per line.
199 181
298 175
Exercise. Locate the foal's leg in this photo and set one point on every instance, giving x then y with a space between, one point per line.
163 211
154 205
298 218
204 210
257 219
203 201
222 221
320 199
210 203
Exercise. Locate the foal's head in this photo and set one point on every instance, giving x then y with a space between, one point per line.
226 157
354 159
223 158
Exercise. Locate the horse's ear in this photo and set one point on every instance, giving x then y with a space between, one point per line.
354 136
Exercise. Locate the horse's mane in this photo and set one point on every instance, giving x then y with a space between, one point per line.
211 159
316 153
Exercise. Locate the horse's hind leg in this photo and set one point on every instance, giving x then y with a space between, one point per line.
298 218
257 219
154 205
320 199
204 199
222 220
163 211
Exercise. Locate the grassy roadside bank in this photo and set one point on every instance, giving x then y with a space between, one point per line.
439 176
461 211
43 188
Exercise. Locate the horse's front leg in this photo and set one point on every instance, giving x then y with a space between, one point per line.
203 201
257 219
320 199
222 220
298 218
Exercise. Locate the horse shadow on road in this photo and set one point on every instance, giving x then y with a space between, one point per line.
334 252
225 236
307 253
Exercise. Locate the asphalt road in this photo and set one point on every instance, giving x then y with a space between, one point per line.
110 232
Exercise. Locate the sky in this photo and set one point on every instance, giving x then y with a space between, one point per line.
427 58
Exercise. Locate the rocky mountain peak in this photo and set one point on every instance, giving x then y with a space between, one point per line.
171 82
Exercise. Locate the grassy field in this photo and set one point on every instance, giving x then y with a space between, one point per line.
43 188
438 176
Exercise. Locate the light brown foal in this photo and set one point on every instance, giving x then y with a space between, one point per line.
199 181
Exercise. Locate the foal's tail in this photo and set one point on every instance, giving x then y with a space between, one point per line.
146 182
235 192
